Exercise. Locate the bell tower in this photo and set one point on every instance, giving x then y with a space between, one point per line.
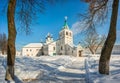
66 35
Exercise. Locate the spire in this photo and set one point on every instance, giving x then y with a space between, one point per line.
65 24
65 18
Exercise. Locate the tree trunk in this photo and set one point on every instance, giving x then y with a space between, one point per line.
91 50
109 43
11 51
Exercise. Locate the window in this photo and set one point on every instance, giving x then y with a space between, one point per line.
79 53
61 48
66 33
72 51
26 49
70 34
30 50
53 48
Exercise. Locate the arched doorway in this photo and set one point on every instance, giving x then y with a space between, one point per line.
80 53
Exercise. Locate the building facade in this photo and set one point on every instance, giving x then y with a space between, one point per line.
31 49
63 46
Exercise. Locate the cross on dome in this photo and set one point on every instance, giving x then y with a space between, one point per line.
66 18
49 35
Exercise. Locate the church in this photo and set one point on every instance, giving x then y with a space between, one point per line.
63 46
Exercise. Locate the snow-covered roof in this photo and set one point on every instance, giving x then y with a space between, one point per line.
33 45
49 43
79 46
72 45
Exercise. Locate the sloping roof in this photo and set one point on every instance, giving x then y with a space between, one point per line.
49 43
33 45
75 46
71 45
79 46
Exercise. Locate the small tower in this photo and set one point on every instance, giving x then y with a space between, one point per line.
49 38
66 35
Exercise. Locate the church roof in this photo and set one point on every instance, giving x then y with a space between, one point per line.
79 46
33 45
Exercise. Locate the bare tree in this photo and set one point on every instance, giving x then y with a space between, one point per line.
25 11
98 11
93 41
3 43
11 50
109 43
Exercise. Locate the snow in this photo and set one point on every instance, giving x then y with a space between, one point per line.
33 45
95 77
61 69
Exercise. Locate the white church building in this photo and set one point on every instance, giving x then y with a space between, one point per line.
63 46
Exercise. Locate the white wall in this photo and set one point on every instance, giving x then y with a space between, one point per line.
30 51
52 48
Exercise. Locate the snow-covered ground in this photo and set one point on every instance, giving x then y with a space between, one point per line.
91 65
61 69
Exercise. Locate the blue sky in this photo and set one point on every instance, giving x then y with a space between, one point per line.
52 21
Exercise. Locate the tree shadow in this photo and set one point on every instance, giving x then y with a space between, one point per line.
17 80
50 71
55 75
95 75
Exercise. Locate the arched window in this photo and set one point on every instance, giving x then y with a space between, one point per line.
66 33
53 48
80 53
70 34
72 51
